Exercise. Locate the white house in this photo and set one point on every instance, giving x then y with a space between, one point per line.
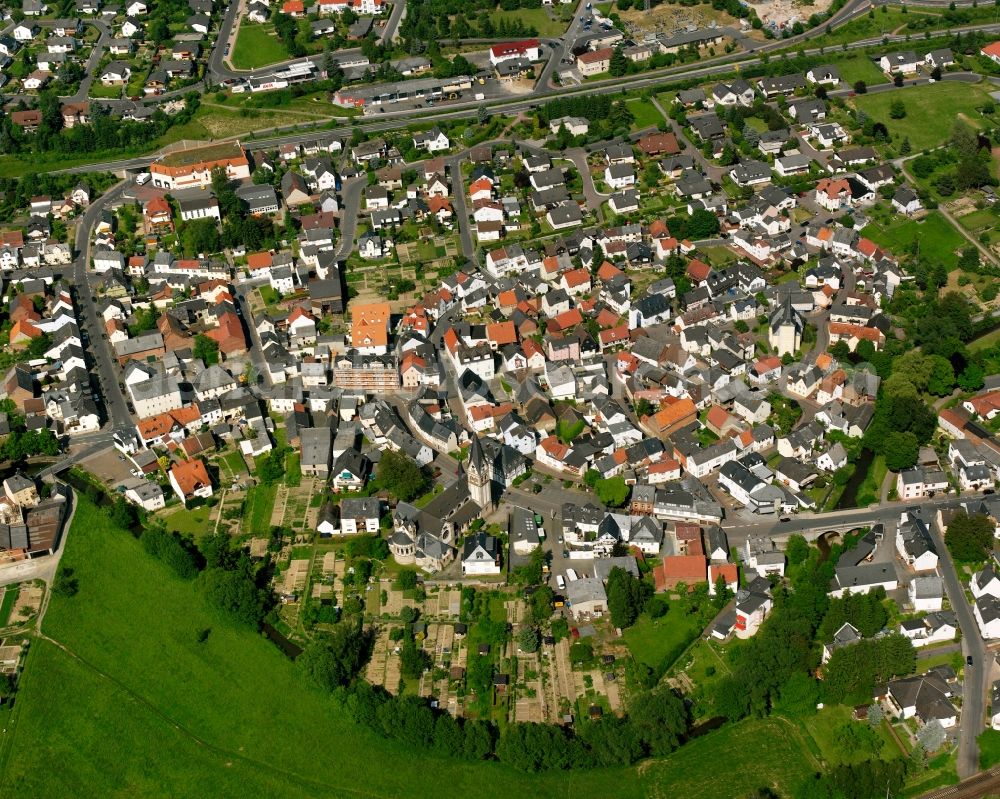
481 555
907 62
926 593
359 515
432 141
987 613
985 582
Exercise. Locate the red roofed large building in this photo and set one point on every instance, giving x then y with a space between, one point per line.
855 334
677 569
507 51
659 144
229 334
188 168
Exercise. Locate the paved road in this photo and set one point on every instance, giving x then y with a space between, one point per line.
977 675
351 193
595 198
461 207
89 318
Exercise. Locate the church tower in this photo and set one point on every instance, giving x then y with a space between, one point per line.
480 477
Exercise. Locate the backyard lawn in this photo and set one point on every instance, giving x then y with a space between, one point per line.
930 110
938 240
190 521
644 113
654 641
258 507
827 728
860 68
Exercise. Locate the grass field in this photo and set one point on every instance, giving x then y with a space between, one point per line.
235 463
259 504
155 713
7 604
989 748
190 521
735 760
257 46
645 113
860 68
538 18
985 342
926 107
98 89
866 27
825 728
868 491
653 640
939 241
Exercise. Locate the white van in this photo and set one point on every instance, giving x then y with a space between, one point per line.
141 178
571 575
560 582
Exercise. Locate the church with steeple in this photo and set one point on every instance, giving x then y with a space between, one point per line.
479 477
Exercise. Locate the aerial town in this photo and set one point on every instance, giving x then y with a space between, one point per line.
548 396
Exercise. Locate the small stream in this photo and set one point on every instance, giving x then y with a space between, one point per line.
849 498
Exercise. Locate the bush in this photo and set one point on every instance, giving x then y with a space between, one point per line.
175 552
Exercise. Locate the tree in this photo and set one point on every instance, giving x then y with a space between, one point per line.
897 79
798 696
333 660
901 450
541 603
406 579
942 377
702 225
875 714
931 736
860 87
627 596
401 476
618 64
972 377
206 348
660 720
65 583
200 236
796 550
413 660
852 672
897 109
234 591
174 551
612 491
528 639
969 538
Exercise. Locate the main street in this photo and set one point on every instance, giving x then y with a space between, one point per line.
89 317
